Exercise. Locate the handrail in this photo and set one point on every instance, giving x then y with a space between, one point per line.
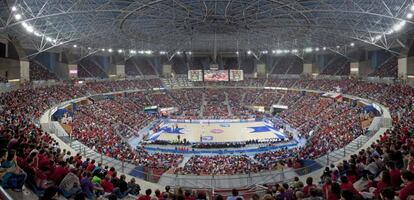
4 195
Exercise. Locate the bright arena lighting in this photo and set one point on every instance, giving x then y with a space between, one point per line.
308 50
18 16
110 50
249 52
14 8
352 44
37 34
409 16
120 50
75 46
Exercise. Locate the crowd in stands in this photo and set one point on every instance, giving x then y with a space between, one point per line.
31 155
131 69
338 67
219 165
216 104
387 69
38 72
89 68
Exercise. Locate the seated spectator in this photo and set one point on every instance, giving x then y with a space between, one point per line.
147 195
309 185
13 176
70 185
106 184
408 181
234 195
133 187
121 187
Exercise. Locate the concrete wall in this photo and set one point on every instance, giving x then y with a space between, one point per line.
10 67
402 68
365 68
62 71
261 69
24 71
410 65
166 70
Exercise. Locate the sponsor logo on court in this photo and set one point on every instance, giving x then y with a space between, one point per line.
216 131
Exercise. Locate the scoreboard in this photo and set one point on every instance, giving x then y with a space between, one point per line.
195 75
216 75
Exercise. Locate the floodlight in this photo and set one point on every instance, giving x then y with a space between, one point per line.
17 16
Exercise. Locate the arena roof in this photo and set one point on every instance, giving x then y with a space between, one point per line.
191 25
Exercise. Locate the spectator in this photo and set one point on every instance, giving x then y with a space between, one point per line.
408 189
121 187
133 187
234 195
147 195
70 185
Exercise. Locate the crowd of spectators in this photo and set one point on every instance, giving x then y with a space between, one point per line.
38 72
216 105
387 69
89 68
219 165
392 153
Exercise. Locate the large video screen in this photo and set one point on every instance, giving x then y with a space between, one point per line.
195 75
236 75
216 75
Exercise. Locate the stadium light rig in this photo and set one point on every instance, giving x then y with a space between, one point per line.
18 16
249 52
120 51
74 46
14 8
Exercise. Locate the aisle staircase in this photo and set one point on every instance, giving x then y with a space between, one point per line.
226 101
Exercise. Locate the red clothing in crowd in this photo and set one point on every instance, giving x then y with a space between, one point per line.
90 167
145 197
380 186
348 186
406 191
58 174
395 178
107 186
307 188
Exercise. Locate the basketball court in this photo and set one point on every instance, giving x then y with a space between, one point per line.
217 132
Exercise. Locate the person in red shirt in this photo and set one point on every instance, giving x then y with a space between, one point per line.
91 166
309 185
59 173
383 183
107 185
395 174
408 189
147 195
346 185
